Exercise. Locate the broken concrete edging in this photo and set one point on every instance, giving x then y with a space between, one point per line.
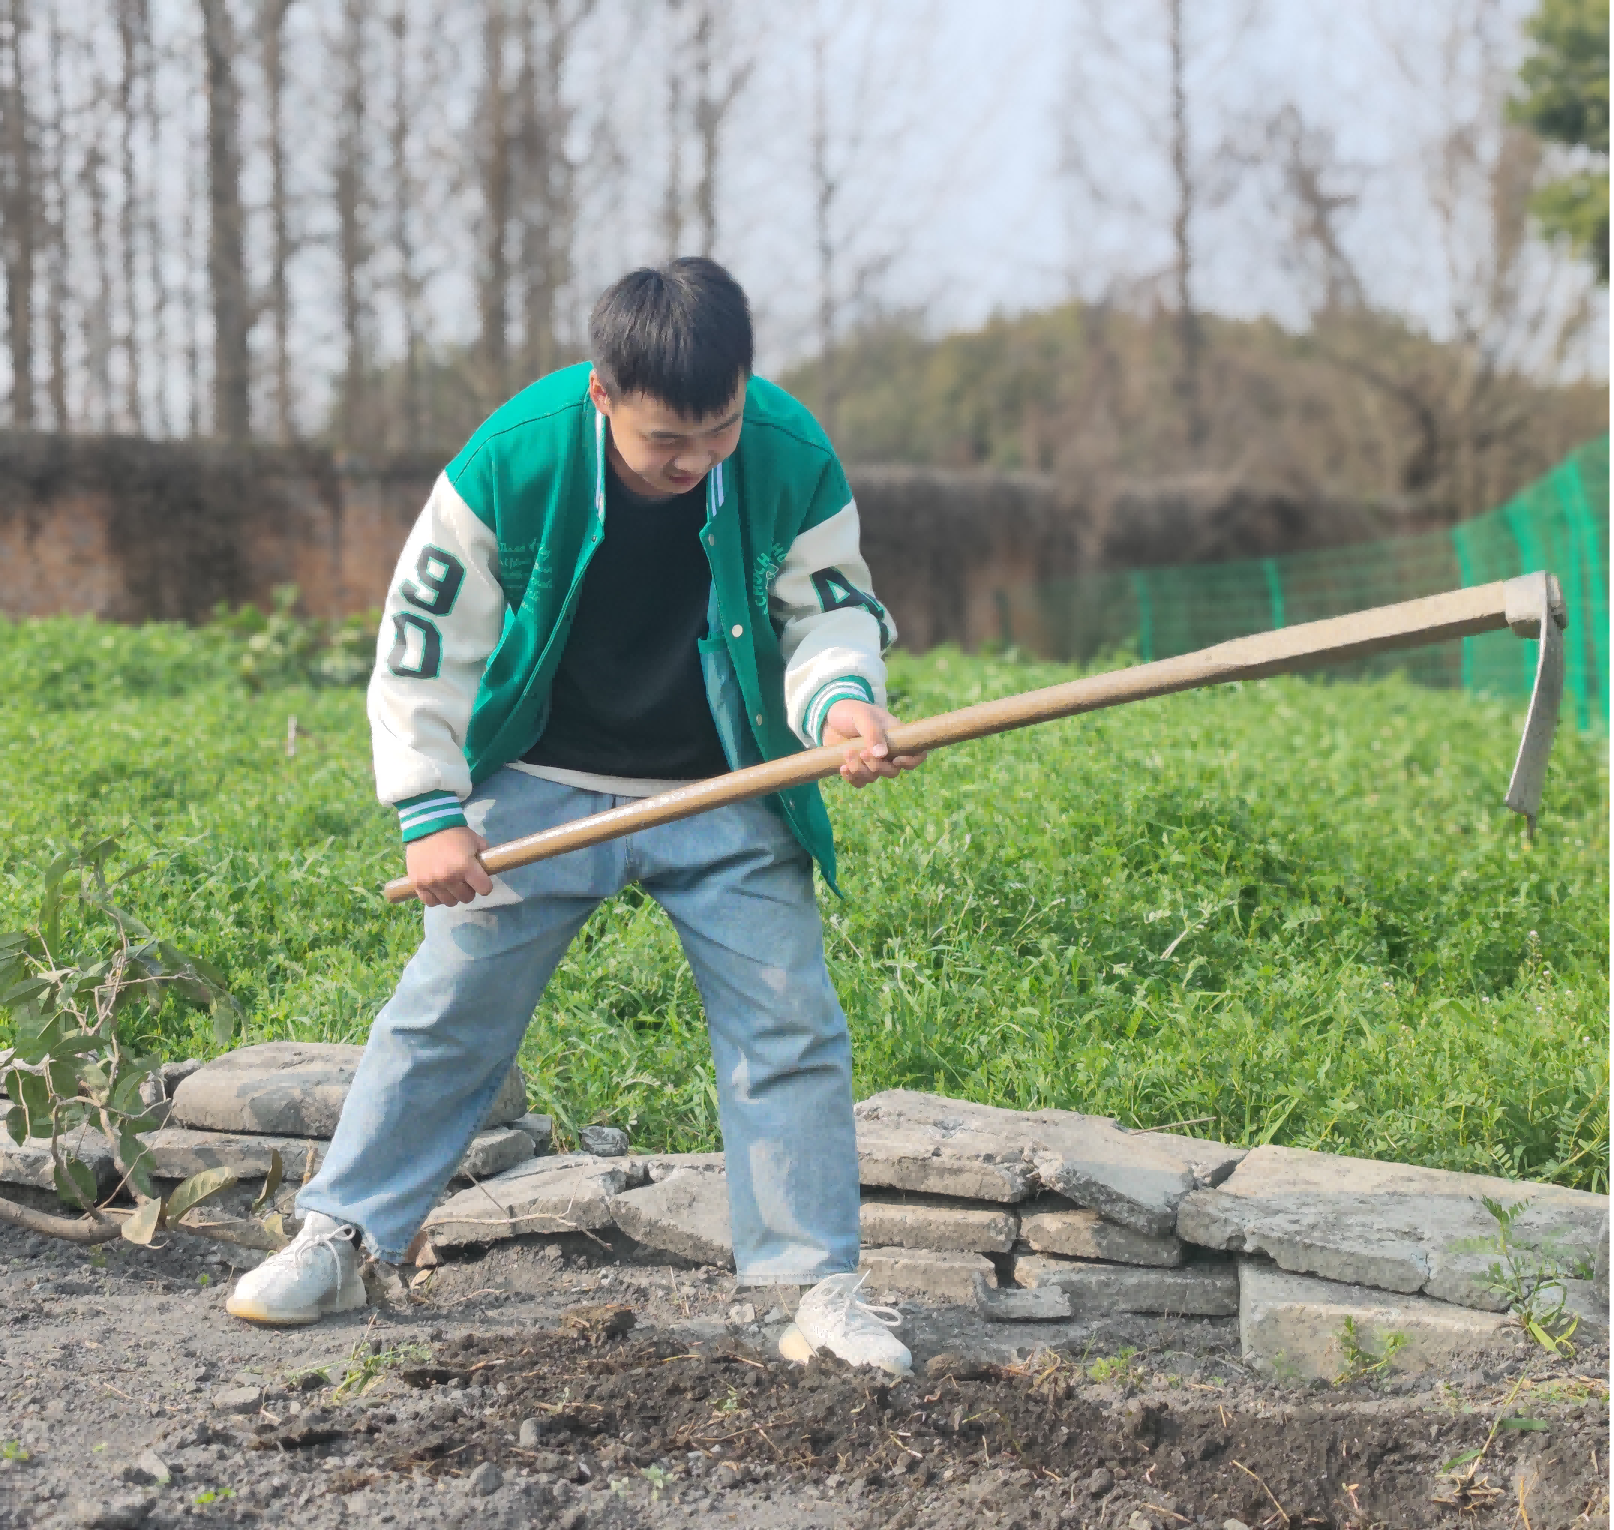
1190 1290
925 1142
571 1193
685 1214
1294 1326
292 1089
1392 1226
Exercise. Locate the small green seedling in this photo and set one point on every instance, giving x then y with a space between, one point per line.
11 1450
213 1495
1532 1282
657 1478
368 1364
1362 1361
1112 1367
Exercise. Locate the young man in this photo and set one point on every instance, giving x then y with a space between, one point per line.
635 574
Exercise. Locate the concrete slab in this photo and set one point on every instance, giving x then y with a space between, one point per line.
1387 1225
923 1142
291 1089
1193 1290
659 1166
686 1214
492 1152
890 1219
1293 1326
1584 1301
1600 1263
1052 1225
569 1193
179 1151
540 1128
946 1277
1040 1304
31 1163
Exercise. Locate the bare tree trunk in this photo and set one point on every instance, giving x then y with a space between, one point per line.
494 284
1190 338
548 210
156 279
402 229
132 23
98 329
195 261
226 256
18 211
672 201
712 106
272 37
825 187
55 176
350 180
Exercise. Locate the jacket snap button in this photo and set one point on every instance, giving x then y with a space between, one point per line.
759 719
738 630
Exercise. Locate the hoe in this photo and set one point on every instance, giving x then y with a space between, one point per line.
1531 605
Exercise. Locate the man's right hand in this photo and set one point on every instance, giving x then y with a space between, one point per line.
444 866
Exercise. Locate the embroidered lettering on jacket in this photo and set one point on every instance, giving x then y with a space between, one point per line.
766 571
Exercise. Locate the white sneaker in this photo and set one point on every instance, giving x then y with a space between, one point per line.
833 1316
315 1274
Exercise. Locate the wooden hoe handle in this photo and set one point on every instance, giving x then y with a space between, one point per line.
1409 624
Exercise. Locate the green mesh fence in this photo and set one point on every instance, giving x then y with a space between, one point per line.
1559 523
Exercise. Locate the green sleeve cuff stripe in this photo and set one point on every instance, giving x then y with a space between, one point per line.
419 828
424 806
847 688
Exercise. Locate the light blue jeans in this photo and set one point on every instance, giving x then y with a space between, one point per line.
739 891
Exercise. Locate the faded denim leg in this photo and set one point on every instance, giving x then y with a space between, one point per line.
739 890
440 1048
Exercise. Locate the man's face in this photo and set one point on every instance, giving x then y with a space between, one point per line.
658 451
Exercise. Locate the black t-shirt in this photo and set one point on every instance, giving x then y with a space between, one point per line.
629 698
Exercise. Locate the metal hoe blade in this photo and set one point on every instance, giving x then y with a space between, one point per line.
1535 608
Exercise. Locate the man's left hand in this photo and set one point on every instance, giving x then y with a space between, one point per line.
863 727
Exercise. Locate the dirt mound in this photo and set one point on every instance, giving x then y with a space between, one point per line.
961 1441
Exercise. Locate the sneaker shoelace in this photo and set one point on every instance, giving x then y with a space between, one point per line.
306 1248
856 1307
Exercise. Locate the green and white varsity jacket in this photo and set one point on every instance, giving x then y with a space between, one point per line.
480 605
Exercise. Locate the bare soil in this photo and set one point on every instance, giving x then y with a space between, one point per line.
654 1406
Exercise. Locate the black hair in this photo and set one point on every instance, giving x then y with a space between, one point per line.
679 333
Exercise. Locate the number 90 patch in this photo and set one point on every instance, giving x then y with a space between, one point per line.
417 645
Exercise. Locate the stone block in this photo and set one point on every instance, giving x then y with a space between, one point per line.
603 1141
659 1166
30 1162
1052 1225
1294 1326
910 1141
1600 1263
1583 1300
541 1129
569 1193
1040 1304
686 1214
891 1220
177 1152
944 1277
1392 1226
292 1089
1191 1290
492 1152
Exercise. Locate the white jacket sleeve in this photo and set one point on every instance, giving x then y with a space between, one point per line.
443 615
831 628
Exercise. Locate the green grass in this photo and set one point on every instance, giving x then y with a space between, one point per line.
1291 911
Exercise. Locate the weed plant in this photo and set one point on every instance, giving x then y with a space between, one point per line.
1291 911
